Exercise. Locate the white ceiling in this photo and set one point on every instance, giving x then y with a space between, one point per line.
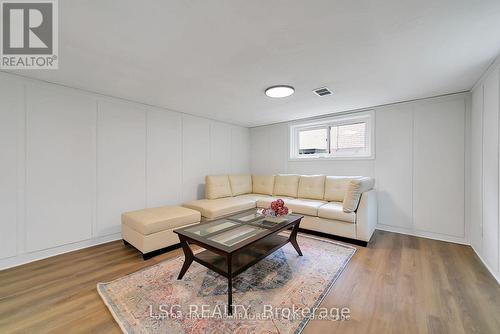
215 58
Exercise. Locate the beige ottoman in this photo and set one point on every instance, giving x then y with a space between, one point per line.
150 230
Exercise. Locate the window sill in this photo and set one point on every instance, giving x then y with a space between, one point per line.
309 159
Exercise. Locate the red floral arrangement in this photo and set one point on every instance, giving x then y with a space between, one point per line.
277 209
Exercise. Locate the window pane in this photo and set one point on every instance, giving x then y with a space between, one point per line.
349 137
342 137
313 141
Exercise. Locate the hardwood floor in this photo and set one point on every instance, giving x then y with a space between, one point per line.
398 284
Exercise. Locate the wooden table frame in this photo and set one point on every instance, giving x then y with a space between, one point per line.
232 261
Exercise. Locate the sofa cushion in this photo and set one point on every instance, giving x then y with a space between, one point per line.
311 186
154 220
217 186
334 210
354 191
304 206
336 186
215 208
263 184
253 197
265 202
240 184
297 205
286 185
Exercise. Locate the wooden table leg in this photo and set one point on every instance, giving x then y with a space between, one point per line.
293 238
229 285
188 257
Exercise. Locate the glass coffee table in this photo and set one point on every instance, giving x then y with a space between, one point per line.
236 243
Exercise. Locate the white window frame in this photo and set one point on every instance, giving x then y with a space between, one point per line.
365 117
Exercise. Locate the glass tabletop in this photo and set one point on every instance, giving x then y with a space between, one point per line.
247 216
209 228
235 235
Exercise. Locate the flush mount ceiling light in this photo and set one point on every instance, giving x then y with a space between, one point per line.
280 91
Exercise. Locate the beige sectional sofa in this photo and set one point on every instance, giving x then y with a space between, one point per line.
344 206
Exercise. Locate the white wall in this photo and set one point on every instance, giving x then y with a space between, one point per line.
419 166
73 161
484 226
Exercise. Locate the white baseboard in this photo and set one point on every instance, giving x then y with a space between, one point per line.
495 275
43 254
428 235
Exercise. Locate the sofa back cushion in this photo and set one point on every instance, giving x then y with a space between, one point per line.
354 190
311 186
263 184
217 186
336 187
240 184
286 185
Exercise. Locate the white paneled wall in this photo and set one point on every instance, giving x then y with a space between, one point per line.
121 163
419 165
11 115
269 149
476 198
439 168
60 167
164 149
485 169
220 147
195 156
394 153
73 161
240 148
490 171
341 167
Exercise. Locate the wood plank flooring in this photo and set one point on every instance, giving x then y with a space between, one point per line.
398 284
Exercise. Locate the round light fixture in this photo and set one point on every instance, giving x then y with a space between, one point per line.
280 91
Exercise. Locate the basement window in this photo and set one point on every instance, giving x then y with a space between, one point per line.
342 137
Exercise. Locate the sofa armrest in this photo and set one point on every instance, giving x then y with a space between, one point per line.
366 215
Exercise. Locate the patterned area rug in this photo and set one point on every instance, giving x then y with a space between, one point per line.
152 300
